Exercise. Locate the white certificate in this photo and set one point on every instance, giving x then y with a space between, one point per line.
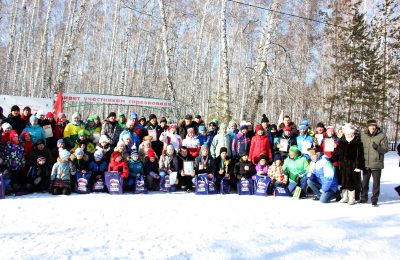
188 167
329 145
172 178
283 145
48 131
153 133
319 138
305 146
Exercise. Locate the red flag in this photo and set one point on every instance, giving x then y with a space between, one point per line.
57 107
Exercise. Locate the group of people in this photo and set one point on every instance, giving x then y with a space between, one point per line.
44 153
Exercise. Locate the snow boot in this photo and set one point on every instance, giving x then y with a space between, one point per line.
352 197
345 196
397 189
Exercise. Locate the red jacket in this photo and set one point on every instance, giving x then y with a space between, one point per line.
260 145
121 167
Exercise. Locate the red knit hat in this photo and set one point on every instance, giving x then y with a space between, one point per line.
258 128
49 115
172 126
115 155
13 134
151 154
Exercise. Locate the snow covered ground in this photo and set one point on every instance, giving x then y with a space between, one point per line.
186 226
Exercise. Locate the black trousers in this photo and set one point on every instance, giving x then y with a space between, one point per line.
376 184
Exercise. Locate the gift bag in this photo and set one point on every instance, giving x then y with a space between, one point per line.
261 185
245 187
281 191
164 183
82 182
201 184
114 182
140 185
2 187
225 186
98 185
212 189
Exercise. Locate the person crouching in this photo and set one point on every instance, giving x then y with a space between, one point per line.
61 175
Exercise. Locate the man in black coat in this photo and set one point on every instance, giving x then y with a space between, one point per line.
15 120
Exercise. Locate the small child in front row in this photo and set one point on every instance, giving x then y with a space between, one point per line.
136 169
262 167
151 170
278 178
61 175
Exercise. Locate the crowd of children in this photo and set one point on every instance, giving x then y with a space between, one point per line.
41 153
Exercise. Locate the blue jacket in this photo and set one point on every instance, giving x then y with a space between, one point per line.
98 167
204 139
135 139
36 132
304 138
323 172
135 167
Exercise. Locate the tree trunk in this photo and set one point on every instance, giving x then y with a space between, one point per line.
226 114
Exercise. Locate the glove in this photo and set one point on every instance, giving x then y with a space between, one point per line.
357 170
374 145
320 190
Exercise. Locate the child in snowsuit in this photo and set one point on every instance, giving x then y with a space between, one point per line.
262 167
61 175
79 162
14 158
97 167
119 165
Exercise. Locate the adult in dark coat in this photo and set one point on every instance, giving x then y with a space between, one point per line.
224 168
155 130
351 162
111 129
185 179
15 120
185 125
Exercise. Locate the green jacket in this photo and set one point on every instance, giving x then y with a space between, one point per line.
374 156
296 167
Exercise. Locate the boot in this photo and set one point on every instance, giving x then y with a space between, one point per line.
345 196
352 197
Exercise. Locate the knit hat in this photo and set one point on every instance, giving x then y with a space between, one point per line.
223 150
302 127
190 130
25 134
244 154
103 138
39 142
130 123
304 122
258 128
13 134
81 133
212 124
202 128
330 127
135 153
26 108
49 115
172 126
15 108
60 141
243 127
134 115
264 119
349 129
262 157
62 115
198 117
1 109
64 154
320 124
112 114
79 151
115 155
40 158
142 119
294 149
98 154
273 127
126 136
6 126
287 128
277 157
121 115
371 122
232 123
152 116
223 125
40 113
151 153
33 119
76 115
90 119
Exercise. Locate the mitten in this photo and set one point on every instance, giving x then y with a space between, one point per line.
374 145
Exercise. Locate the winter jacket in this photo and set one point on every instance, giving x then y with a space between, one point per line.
168 163
5 138
182 129
302 139
263 169
323 172
36 132
169 138
219 141
243 169
135 140
240 144
204 139
71 134
14 156
112 131
260 145
121 167
374 155
156 144
150 167
336 142
193 145
291 141
204 164
227 165
60 127
278 177
98 167
79 164
36 153
17 123
135 167
296 167
61 171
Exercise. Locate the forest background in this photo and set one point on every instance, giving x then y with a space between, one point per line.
329 61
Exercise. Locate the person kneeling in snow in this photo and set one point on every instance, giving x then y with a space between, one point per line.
61 175
322 178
